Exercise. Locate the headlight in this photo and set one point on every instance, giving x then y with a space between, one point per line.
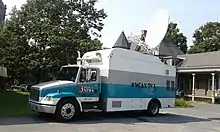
48 98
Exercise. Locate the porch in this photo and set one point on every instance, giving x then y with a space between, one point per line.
200 84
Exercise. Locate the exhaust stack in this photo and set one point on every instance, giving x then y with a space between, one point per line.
79 59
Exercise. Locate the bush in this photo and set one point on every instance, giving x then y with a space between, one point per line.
183 103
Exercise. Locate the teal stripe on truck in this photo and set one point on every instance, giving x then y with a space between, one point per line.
116 91
127 91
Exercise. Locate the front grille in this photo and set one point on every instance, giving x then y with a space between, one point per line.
34 94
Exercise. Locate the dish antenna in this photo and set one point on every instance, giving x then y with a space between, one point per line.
152 37
157 28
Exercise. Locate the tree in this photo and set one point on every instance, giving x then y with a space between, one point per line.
13 49
173 33
206 38
47 34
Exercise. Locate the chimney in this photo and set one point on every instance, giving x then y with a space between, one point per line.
143 35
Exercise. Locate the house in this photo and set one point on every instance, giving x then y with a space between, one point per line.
198 75
3 72
2 11
3 77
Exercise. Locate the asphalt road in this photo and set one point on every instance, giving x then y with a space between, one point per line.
202 118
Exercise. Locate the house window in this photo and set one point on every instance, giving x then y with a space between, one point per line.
168 85
82 75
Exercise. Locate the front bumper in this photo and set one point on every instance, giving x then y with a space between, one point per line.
44 108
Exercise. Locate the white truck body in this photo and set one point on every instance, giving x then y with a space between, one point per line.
119 68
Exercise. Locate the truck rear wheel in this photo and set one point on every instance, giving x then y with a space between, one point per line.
153 108
66 110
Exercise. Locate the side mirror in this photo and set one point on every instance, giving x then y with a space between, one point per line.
93 75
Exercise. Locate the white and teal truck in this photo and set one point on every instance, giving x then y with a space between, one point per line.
107 80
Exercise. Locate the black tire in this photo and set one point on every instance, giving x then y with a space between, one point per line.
66 104
153 108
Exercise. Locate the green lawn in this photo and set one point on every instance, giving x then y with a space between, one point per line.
14 104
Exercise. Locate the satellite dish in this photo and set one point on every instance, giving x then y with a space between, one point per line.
157 28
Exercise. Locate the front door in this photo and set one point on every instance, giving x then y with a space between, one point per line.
89 89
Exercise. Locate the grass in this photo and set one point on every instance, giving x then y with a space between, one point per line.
14 104
183 103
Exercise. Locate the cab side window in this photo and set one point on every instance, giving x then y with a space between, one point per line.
82 77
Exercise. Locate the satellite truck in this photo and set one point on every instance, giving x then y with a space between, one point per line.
109 80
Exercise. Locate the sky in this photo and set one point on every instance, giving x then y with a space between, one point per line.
131 16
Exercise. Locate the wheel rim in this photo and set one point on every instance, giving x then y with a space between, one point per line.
68 111
154 108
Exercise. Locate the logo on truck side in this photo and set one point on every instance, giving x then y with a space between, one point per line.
84 89
144 85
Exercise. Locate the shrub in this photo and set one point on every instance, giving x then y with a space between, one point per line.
183 103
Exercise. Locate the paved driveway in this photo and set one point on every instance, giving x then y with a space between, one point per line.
202 118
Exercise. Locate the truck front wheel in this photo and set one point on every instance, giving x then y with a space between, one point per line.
66 110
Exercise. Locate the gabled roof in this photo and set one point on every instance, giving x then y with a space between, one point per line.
168 48
201 60
122 42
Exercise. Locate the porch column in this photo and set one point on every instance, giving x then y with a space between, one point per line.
193 87
213 88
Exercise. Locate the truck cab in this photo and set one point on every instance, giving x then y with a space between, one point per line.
69 94
86 79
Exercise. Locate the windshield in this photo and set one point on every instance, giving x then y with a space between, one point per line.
68 73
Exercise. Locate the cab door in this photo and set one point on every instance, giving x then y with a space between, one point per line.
89 86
